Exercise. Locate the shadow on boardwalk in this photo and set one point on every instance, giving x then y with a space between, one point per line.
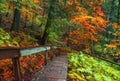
56 70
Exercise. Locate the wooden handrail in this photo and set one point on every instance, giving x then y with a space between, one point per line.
16 53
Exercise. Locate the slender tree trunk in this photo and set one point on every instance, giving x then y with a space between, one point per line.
118 12
33 19
111 19
48 24
112 13
92 46
45 35
16 19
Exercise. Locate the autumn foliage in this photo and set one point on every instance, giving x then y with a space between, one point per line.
87 25
78 24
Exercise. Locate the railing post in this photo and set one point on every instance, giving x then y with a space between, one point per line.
52 55
46 57
59 51
16 69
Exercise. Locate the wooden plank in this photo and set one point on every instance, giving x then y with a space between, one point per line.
12 52
30 51
8 53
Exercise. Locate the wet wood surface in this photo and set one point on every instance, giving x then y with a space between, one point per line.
56 70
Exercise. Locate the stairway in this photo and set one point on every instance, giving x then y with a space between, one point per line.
56 70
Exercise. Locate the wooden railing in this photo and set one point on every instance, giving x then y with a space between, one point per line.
16 53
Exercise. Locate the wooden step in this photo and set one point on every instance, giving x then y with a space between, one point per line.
56 70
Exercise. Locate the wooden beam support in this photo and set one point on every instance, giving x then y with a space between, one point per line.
8 53
16 69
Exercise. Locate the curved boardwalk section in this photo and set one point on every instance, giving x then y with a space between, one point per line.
56 70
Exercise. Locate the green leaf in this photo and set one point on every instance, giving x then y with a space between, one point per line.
1 42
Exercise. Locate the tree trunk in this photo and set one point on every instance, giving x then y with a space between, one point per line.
92 46
45 35
118 19
112 13
111 20
16 19
33 20
48 24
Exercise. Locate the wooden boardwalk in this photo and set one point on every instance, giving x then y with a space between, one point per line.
56 70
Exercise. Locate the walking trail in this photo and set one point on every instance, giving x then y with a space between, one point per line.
56 70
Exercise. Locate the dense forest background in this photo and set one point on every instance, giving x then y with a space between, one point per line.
91 26
91 22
